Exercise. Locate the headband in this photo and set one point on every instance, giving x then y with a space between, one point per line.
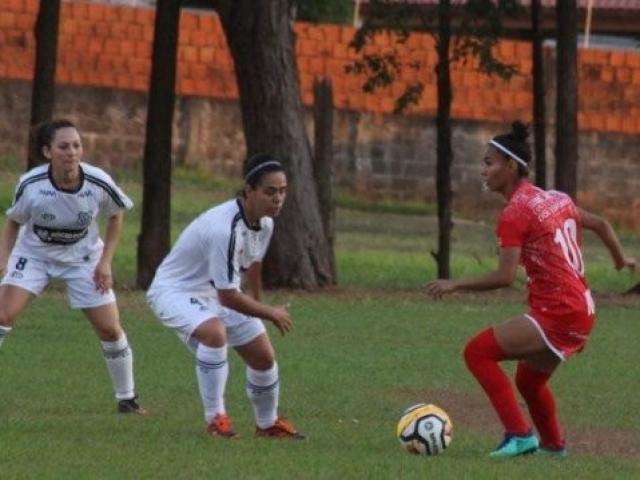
510 153
262 166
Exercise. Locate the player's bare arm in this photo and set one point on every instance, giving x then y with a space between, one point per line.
103 276
7 241
502 277
243 303
604 230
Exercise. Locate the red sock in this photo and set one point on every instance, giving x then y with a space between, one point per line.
482 355
542 407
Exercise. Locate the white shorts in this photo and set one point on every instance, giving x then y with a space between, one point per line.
33 275
184 312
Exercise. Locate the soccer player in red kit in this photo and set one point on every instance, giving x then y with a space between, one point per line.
541 230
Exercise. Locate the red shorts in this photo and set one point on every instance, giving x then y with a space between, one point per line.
564 334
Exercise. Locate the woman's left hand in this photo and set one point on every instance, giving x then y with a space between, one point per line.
102 276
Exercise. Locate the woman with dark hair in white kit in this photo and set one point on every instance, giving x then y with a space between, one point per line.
197 292
51 231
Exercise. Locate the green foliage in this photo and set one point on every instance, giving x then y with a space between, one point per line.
477 28
325 11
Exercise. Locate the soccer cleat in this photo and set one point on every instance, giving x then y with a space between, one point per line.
281 429
221 426
130 405
552 452
514 445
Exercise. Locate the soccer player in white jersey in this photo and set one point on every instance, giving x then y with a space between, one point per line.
197 292
51 231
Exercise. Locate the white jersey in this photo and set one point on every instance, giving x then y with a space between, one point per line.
213 251
61 225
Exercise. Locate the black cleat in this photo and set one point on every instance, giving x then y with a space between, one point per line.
131 406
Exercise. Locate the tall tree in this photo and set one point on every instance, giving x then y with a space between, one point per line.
154 240
567 97
443 147
43 89
323 161
539 114
261 40
478 29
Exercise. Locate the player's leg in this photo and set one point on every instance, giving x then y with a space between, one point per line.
252 343
13 300
105 320
514 339
25 279
532 378
194 318
101 310
212 371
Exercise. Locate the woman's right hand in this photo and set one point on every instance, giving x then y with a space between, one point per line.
281 318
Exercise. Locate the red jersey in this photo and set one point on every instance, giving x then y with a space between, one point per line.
546 225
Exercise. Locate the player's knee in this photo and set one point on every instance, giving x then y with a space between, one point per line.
521 383
470 352
6 320
211 334
110 333
212 337
265 361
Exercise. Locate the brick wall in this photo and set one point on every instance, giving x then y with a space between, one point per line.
103 74
110 46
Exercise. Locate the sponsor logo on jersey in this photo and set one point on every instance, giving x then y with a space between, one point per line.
16 274
47 217
59 236
47 193
85 193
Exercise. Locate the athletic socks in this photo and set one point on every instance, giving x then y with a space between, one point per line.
263 389
120 365
212 371
533 386
482 355
4 331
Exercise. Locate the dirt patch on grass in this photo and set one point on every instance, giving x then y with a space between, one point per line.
473 411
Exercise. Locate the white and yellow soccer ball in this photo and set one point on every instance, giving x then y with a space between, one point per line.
424 429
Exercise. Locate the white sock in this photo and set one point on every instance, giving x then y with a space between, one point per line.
263 389
212 371
4 331
120 365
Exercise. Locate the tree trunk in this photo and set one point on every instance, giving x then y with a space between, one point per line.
539 115
43 89
444 151
567 98
260 37
323 162
154 240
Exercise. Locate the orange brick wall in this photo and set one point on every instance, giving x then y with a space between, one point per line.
110 46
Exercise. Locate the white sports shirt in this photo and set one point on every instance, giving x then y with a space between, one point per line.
213 251
61 225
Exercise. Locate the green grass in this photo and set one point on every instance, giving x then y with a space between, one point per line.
357 357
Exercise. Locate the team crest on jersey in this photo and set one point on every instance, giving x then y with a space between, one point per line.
84 219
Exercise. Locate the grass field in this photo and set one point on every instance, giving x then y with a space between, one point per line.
359 354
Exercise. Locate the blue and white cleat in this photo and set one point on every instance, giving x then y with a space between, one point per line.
514 445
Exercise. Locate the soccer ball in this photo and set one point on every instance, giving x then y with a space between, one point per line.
424 429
